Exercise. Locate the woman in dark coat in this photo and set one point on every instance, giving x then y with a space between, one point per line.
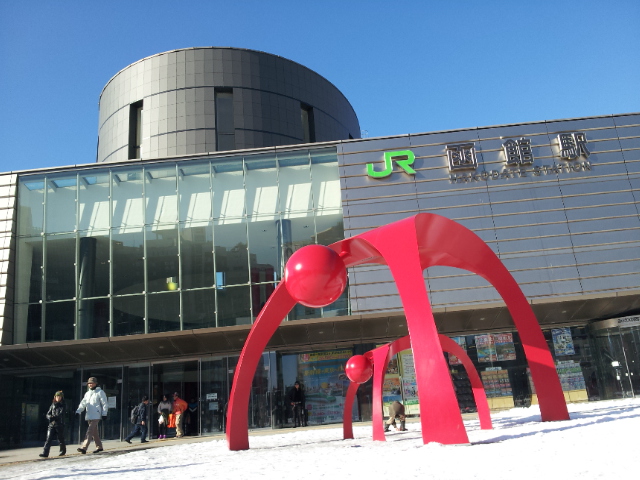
55 416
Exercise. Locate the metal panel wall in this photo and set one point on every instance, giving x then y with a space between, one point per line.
564 228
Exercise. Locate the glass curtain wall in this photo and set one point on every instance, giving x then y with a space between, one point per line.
168 246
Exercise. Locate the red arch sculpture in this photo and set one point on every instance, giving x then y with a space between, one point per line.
380 358
408 247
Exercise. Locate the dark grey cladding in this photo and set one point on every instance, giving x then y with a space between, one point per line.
178 92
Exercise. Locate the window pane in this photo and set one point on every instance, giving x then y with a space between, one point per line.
228 189
128 262
233 306
195 193
60 269
30 205
326 186
232 263
294 178
224 112
127 202
61 204
28 323
93 318
160 194
196 255
164 312
61 324
296 233
261 185
93 200
330 227
128 315
264 252
93 265
29 270
199 309
162 260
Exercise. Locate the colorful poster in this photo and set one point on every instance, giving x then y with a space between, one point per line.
391 389
409 384
570 374
462 341
325 384
503 342
485 349
562 341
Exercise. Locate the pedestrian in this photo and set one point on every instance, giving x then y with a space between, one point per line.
95 403
55 416
164 409
141 422
296 399
179 407
396 410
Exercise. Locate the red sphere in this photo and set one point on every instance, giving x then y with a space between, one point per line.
315 276
359 369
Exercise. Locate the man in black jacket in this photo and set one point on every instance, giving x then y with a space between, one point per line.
55 416
141 422
296 398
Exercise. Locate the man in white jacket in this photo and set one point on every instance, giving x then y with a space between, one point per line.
95 403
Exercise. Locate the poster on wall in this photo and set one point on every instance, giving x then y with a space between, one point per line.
409 384
325 384
485 349
562 341
462 341
503 343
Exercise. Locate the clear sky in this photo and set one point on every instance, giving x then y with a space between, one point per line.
405 66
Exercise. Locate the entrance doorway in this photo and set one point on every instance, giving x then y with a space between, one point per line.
181 378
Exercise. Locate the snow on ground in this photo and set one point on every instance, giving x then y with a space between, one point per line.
600 441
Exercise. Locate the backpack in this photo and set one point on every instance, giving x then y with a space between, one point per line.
134 414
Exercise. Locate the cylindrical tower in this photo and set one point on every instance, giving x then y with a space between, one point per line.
201 100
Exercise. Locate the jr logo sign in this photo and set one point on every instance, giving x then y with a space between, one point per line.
404 159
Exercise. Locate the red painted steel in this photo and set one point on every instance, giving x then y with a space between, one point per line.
408 247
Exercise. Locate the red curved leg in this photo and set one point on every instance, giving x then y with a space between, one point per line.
477 387
274 311
347 420
445 242
442 421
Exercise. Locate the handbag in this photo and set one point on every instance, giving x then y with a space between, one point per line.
161 420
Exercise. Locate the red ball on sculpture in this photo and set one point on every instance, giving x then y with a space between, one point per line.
315 276
359 369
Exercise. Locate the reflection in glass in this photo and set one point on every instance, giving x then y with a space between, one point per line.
61 203
233 306
160 193
261 185
28 323
30 205
93 318
164 312
93 200
127 201
228 189
231 251
61 324
162 260
196 255
194 186
263 249
294 178
60 270
199 309
128 260
128 315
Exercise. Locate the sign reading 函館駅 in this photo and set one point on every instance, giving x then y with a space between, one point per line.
518 160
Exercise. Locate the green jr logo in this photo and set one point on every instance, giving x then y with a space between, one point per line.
404 159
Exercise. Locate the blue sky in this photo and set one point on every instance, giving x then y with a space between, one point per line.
405 66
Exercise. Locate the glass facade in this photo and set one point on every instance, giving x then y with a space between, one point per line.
168 246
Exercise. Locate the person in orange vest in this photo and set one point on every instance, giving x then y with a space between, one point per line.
179 407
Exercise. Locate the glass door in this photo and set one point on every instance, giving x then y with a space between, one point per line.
109 380
183 378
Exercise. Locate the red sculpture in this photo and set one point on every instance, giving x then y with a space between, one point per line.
407 247
360 368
